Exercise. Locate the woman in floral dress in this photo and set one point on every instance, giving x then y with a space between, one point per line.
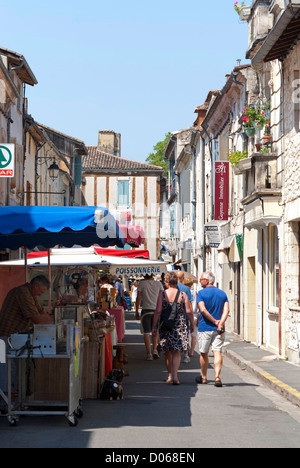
174 342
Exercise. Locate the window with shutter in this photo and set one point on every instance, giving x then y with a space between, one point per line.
123 192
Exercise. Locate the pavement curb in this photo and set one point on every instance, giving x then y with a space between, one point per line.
291 394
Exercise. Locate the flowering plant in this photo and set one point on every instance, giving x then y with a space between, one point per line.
235 156
255 116
238 7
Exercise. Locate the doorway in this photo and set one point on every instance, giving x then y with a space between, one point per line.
237 297
251 309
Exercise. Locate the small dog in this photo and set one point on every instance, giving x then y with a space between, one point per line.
112 387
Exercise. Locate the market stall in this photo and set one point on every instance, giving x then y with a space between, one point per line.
49 226
69 266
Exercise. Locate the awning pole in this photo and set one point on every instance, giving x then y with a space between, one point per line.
49 278
26 268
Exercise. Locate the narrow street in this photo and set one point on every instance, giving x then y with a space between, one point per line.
242 414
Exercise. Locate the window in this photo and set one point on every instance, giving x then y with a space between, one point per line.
185 193
123 192
296 99
172 221
273 267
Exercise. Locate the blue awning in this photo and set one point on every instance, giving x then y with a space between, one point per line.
48 226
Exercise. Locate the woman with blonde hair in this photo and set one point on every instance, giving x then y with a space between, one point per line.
173 341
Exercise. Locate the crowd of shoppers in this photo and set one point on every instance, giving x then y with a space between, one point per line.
199 318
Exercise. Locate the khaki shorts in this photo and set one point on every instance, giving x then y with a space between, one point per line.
210 339
147 321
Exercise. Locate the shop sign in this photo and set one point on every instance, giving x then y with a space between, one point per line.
221 190
7 160
213 235
137 270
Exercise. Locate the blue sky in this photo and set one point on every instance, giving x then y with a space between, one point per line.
138 68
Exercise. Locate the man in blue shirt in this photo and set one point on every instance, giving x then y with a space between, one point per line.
214 308
120 291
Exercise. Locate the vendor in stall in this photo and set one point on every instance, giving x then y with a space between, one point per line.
21 309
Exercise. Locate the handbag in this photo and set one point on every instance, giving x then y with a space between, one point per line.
169 313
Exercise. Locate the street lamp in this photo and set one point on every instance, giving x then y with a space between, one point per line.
53 170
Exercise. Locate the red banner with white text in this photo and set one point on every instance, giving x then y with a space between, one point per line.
221 190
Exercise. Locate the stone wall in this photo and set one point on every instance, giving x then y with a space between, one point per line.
291 177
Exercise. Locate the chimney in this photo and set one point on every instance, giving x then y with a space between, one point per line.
109 142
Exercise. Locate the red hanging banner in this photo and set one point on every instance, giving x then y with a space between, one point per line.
221 190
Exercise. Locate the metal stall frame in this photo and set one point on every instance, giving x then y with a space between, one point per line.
72 408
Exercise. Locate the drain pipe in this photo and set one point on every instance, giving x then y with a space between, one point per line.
9 121
211 161
203 203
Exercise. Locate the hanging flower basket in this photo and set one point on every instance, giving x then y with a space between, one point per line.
250 131
254 117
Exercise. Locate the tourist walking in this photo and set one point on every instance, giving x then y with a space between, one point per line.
214 309
148 292
184 288
134 291
173 341
119 291
193 336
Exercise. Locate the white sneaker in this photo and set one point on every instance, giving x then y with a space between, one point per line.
186 359
149 357
155 354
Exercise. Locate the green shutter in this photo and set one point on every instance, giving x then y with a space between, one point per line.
77 171
239 243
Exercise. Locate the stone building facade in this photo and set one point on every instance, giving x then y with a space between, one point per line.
275 55
255 253
130 189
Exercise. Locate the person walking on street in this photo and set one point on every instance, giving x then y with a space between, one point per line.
182 287
214 309
189 283
148 292
173 341
120 291
134 290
